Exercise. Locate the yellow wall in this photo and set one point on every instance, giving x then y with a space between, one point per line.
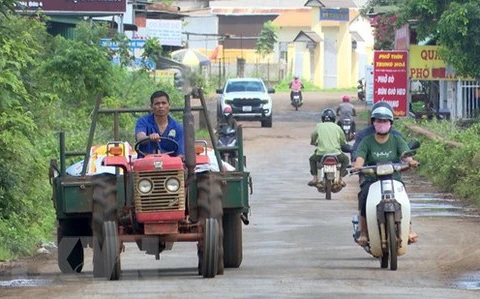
231 55
347 69
344 58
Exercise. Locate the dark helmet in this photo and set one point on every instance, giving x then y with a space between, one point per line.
328 115
381 104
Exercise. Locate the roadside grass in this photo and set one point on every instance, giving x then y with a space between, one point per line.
452 169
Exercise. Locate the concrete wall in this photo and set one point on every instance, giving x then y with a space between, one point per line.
201 24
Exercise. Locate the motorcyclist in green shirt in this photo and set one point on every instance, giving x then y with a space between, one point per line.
328 138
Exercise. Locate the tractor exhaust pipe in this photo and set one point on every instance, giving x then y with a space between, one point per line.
189 137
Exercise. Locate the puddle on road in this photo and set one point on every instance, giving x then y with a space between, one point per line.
439 204
22 283
469 281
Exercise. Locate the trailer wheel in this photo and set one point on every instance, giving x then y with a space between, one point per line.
232 240
209 205
70 251
104 209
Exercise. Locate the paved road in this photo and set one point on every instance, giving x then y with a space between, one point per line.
298 245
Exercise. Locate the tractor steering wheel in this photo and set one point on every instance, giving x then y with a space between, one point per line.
147 139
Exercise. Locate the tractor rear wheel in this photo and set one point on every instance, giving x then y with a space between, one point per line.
232 240
70 250
209 205
104 210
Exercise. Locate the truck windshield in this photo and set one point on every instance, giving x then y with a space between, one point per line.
240 86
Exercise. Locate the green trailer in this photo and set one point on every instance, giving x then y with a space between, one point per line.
153 201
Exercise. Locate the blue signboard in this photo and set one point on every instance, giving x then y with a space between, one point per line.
136 48
334 14
133 44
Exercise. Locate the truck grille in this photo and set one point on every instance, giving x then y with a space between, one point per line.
239 102
159 199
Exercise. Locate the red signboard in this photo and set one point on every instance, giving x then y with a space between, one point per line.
390 80
73 5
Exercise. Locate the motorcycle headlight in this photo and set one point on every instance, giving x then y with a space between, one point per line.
385 169
172 184
145 186
387 186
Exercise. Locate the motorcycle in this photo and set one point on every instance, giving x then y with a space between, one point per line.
329 171
296 99
361 90
387 213
346 125
227 137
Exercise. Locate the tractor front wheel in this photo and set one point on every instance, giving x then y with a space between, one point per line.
111 251
210 248
104 216
209 205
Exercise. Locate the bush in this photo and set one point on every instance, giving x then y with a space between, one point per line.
452 169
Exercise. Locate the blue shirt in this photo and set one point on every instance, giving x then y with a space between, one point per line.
173 131
370 130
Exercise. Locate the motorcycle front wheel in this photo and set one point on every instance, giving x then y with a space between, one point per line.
392 240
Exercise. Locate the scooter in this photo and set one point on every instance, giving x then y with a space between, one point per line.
227 137
346 125
296 99
387 213
329 171
360 90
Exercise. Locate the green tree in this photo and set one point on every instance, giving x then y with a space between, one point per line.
24 213
458 34
453 24
6 6
267 39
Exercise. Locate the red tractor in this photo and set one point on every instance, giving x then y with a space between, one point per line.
153 201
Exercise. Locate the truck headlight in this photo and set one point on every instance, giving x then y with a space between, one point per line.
145 186
172 184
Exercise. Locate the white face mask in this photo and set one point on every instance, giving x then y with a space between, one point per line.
382 128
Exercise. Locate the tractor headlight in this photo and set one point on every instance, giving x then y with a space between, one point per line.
385 169
145 186
172 184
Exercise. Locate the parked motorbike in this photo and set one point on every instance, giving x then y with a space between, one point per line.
296 99
329 171
227 136
346 125
387 214
361 90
